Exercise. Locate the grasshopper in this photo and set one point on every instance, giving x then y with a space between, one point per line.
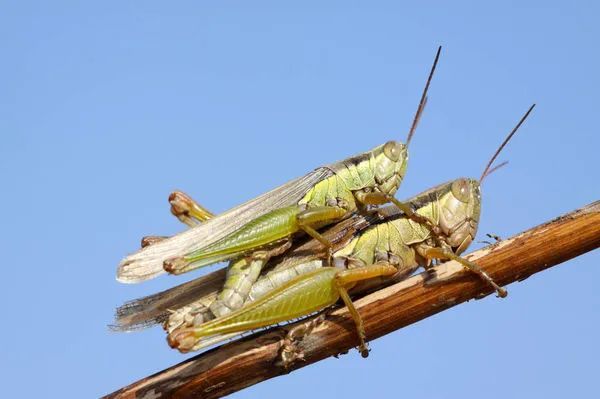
391 248
395 247
326 195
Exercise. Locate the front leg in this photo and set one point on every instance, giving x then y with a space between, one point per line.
381 198
444 253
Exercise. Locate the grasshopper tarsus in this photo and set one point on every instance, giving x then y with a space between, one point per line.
495 237
364 352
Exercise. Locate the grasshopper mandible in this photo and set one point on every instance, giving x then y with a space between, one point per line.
326 195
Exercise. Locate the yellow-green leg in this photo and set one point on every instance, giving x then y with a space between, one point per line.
380 198
260 233
320 215
301 296
447 254
187 210
346 279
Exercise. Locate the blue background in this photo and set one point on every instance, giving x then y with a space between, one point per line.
106 108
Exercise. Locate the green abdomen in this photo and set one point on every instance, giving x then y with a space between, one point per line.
330 189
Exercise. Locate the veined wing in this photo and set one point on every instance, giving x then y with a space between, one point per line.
153 309
147 263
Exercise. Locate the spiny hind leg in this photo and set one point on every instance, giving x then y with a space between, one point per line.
343 280
186 210
263 232
347 279
447 254
308 218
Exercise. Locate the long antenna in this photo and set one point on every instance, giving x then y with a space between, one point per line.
506 140
495 168
423 100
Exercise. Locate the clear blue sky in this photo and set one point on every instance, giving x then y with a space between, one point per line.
106 108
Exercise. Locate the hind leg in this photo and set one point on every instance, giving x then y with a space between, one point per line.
186 210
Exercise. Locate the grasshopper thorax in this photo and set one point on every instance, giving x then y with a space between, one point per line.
390 166
459 211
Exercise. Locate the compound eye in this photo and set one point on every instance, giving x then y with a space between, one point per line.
393 150
461 190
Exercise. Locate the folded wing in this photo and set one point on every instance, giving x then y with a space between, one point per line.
147 263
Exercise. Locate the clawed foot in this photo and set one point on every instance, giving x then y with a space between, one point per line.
500 291
329 256
495 237
289 352
364 350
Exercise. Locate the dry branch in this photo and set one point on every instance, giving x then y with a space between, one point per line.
246 362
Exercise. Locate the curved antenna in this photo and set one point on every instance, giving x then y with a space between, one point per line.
486 171
495 168
423 100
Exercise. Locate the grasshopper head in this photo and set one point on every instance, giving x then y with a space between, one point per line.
390 166
460 205
459 213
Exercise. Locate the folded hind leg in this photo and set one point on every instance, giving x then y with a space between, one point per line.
342 281
186 210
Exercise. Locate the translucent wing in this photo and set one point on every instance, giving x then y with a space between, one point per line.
153 309
148 262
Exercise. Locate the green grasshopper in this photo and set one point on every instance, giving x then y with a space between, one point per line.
396 247
300 285
326 195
